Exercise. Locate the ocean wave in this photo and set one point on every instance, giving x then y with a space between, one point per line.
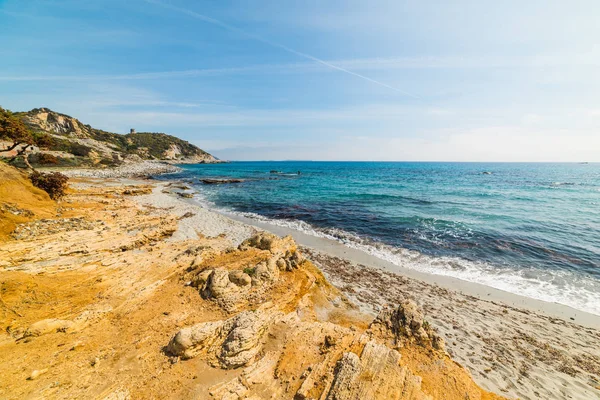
391 197
564 184
561 287
564 287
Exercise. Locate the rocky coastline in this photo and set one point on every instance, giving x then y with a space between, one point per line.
142 169
123 290
126 290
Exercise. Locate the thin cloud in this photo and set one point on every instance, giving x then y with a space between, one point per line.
361 64
277 45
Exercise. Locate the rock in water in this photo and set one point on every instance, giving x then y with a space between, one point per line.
213 181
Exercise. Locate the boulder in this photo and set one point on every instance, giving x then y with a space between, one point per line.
200 280
219 285
235 342
265 272
242 343
270 242
240 278
190 341
284 250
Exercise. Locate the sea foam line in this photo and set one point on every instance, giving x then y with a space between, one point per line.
582 293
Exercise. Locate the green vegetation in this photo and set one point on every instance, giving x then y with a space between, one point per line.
47 159
250 271
158 143
15 131
53 183
53 131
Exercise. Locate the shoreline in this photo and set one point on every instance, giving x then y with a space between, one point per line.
481 291
112 281
512 345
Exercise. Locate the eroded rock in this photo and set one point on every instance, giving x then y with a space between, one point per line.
235 342
242 343
240 278
265 272
190 341
376 374
406 323
219 284
286 256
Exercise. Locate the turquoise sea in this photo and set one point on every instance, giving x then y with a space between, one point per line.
527 228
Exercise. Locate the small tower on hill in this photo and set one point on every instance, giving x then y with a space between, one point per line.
132 130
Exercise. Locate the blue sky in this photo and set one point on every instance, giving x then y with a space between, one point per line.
322 80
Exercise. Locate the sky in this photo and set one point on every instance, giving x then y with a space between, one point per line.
382 80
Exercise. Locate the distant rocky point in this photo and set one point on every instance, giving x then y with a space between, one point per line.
75 144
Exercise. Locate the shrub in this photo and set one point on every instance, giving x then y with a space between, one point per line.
80 150
45 159
43 140
53 183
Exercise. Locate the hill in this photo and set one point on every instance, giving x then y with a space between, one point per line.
73 143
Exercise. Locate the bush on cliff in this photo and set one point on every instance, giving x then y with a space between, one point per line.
53 183
46 159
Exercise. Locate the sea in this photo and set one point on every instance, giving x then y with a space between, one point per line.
531 229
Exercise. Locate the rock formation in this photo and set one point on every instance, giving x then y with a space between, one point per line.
406 323
289 353
104 299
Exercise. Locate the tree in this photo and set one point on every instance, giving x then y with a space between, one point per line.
12 129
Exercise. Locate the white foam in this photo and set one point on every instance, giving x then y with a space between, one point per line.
563 287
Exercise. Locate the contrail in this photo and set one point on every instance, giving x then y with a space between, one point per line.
274 44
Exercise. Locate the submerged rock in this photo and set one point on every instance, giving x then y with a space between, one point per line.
215 181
